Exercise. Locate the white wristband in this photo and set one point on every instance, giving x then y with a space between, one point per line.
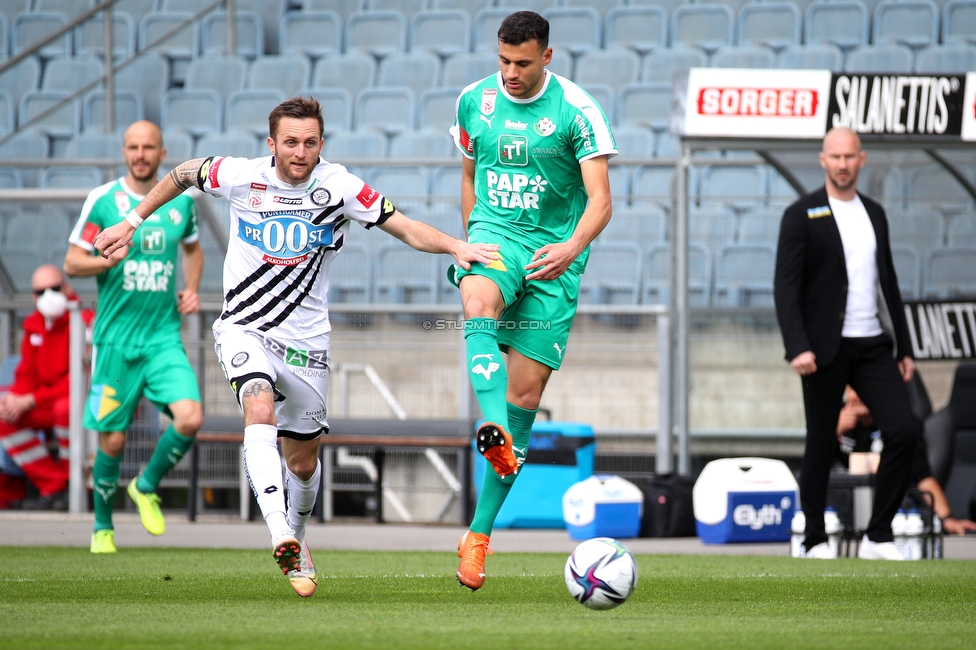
134 219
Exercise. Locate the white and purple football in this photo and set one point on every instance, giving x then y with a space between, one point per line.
601 573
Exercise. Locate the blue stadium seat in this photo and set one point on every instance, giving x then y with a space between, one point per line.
179 48
352 72
485 28
70 8
179 147
11 179
711 225
288 73
642 225
96 144
445 182
843 23
408 184
733 186
350 275
127 106
224 74
249 41
537 6
947 58
602 95
886 57
613 274
247 110
136 9
72 177
613 68
345 145
409 8
468 67
743 56
642 29
949 273
781 193
914 23
30 28
312 33
959 21
63 123
442 32
760 226
240 144
934 183
389 110
705 26
270 12
197 112
909 271
578 29
148 76
90 36
417 71
8 112
818 56
962 230
744 276
71 74
644 104
344 8
633 140
561 63
4 37
423 143
377 33
770 24
470 7
404 275
20 264
661 65
668 5
336 108
435 108
656 272
620 176
919 227
602 7
653 183
666 146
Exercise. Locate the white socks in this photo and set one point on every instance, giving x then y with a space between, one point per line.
263 466
301 499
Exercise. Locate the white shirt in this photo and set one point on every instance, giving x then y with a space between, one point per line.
860 255
282 239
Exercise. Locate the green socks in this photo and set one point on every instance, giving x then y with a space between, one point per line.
169 451
486 368
105 478
494 490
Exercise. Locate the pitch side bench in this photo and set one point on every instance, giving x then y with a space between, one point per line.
378 435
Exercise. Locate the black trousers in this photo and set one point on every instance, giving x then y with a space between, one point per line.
867 365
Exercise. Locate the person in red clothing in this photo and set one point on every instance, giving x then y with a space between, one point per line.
38 400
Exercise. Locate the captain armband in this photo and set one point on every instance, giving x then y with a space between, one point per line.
191 173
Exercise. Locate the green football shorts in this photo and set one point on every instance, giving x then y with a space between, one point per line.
123 374
538 314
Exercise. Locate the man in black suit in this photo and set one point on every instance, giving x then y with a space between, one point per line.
842 322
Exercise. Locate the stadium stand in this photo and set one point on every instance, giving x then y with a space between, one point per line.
409 8
844 23
415 70
346 145
148 77
224 74
435 108
315 34
90 36
344 8
350 275
353 72
336 108
404 275
949 273
743 56
443 32
816 56
195 111
613 68
378 33
662 65
135 9
288 73
656 275
959 21
613 274
250 35
642 29
72 177
708 27
468 67
30 28
885 57
179 47
914 23
602 95
770 24
422 143
644 104
909 271
743 276
247 110
950 57
229 143
388 110
127 108
577 29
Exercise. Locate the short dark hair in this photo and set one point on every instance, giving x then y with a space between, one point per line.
522 26
297 107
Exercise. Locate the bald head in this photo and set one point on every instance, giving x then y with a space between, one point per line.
841 136
46 276
842 158
142 148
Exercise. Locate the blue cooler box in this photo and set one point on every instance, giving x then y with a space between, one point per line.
603 506
560 454
744 500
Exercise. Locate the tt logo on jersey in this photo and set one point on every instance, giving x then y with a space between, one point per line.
513 150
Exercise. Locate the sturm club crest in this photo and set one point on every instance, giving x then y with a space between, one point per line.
239 359
320 196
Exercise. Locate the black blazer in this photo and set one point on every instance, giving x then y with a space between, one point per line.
810 285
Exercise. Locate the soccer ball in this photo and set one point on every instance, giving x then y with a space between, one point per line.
601 573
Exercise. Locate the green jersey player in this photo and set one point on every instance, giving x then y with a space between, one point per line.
136 343
535 149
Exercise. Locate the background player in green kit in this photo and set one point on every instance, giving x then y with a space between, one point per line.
136 346
535 149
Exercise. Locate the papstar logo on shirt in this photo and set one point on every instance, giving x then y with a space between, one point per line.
506 190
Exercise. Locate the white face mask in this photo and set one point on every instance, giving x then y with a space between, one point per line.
52 304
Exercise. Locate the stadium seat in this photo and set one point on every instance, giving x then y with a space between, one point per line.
377 33
666 145
22 77
914 23
737 187
417 71
661 65
561 63
198 111
239 144
344 8
409 8
72 177
127 107
19 264
224 74
442 32
620 176
656 275
653 183
404 275
760 226
350 275
179 48
613 274
613 68
959 21
633 140
919 227
711 225
96 144
704 26
908 270
642 29
71 74
70 8
8 112
270 13
933 183
4 37
249 41
485 28
470 7
948 58
743 56
10 8
136 9
30 28
147 76
423 143
819 56
336 108
642 225
769 24
468 67
247 110
389 110
577 29
63 123
347 145
10 179
407 184
962 230
179 146
886 57
843 23
645 104
744 276
288 73
312 33
949 273
435 108
352 72
90 36
602 95
538 6
445 182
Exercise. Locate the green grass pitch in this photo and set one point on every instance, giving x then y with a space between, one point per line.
213 599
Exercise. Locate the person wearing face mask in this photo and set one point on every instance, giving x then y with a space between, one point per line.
38 400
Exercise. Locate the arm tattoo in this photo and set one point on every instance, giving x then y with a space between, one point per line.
255 388
185 174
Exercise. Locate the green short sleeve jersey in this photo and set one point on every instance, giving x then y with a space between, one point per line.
527 155
137 297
